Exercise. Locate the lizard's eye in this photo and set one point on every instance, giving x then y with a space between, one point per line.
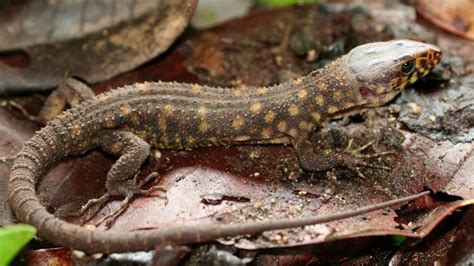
408 67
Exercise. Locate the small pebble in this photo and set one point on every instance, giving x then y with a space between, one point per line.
415 108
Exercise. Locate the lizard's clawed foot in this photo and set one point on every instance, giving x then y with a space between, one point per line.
6 159
356 159
18 107
127 189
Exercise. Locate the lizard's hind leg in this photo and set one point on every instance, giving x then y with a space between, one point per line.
122 178
70 92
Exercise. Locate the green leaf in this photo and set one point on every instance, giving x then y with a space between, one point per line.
398 240
12 240
282 3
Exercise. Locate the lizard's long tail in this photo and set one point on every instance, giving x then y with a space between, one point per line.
48 145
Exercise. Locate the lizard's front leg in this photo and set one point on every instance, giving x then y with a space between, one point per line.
122 177
323 155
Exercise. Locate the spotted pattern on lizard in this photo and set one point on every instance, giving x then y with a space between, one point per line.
127 121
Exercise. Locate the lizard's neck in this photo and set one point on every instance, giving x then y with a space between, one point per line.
304 103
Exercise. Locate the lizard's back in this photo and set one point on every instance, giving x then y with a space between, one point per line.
177 116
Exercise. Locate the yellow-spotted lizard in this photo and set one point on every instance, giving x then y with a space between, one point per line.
128 121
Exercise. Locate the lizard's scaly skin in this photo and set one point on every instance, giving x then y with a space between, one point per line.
185 116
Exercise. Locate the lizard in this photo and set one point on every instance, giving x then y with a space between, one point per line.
127 121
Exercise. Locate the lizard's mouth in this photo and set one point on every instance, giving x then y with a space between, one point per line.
372 101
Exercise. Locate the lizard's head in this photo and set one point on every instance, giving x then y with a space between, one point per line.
383 69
